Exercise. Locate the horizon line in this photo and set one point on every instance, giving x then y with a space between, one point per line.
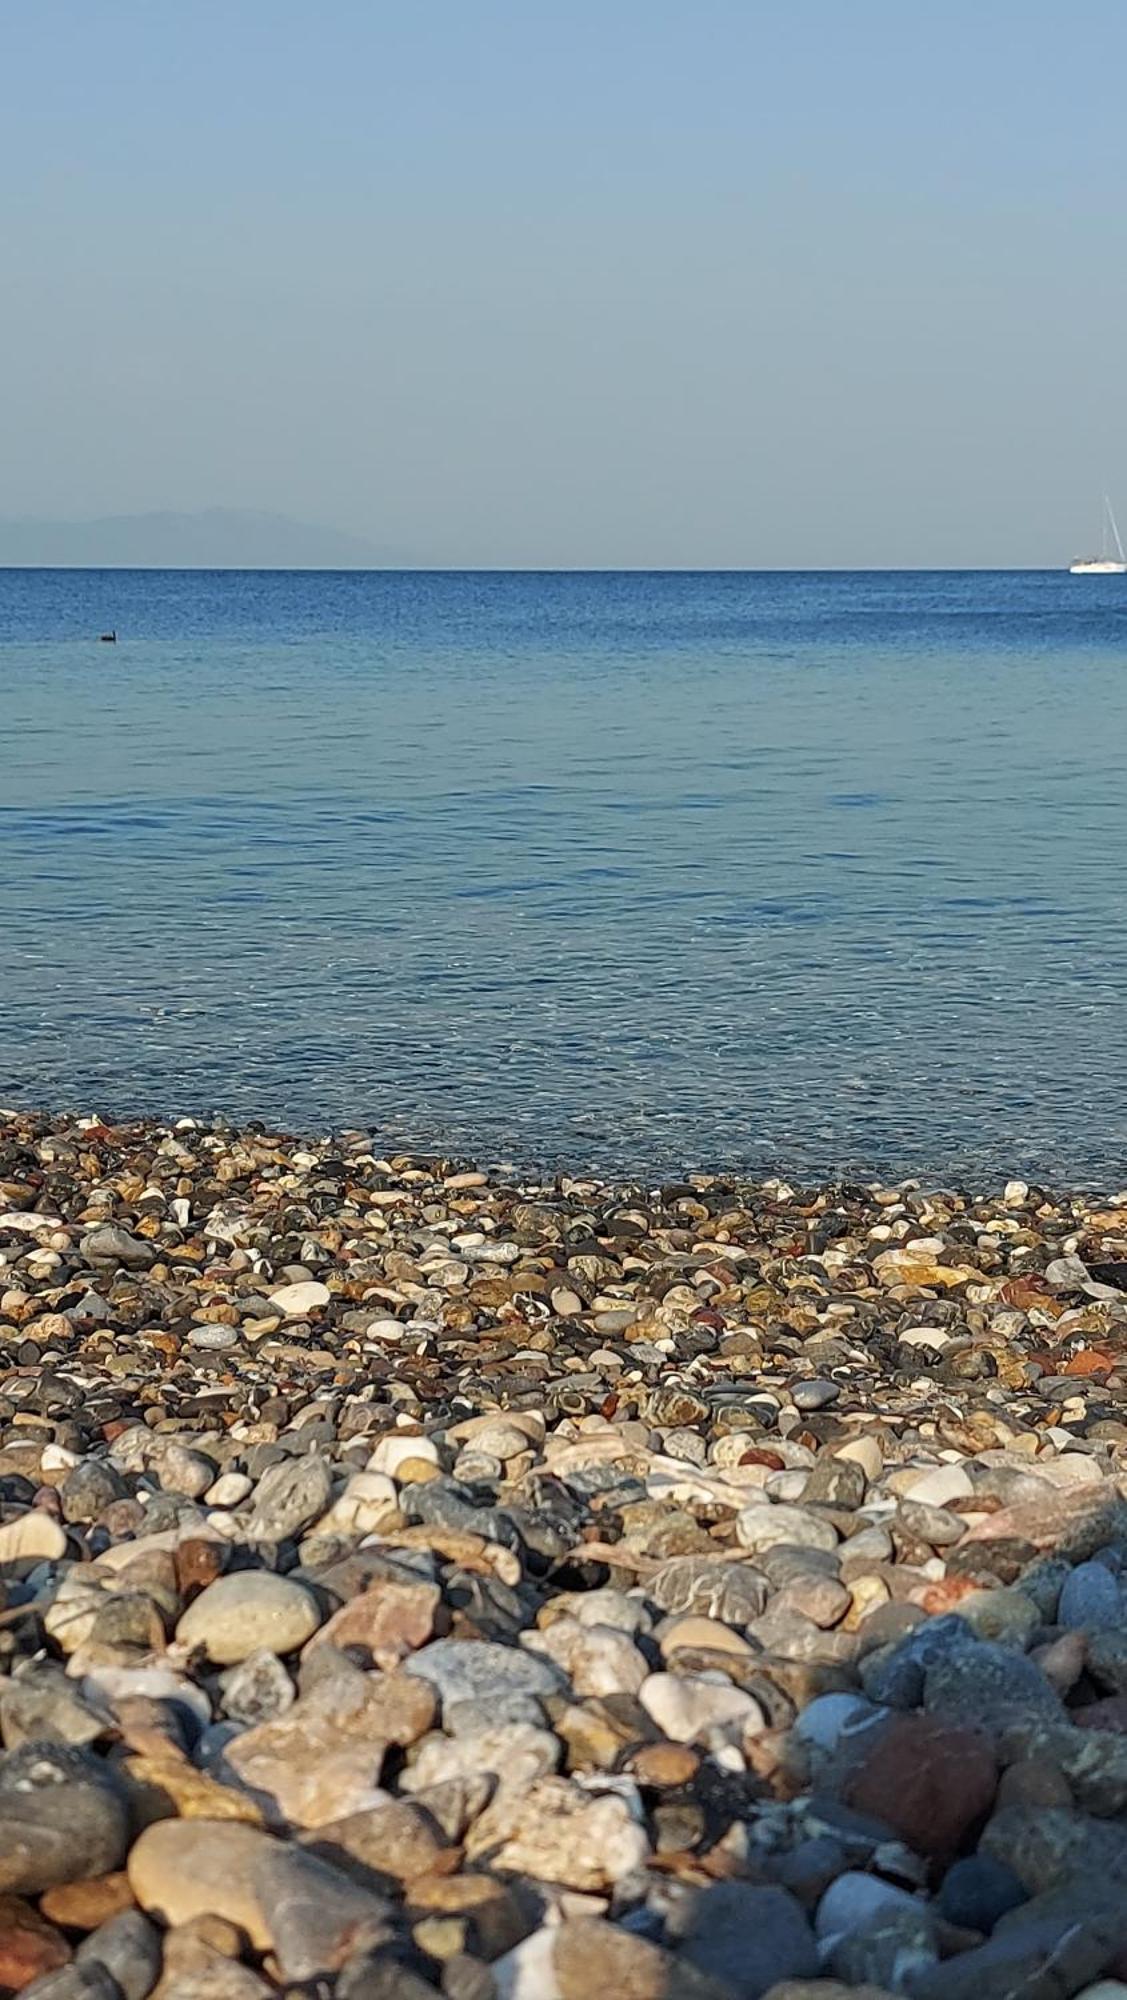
538 569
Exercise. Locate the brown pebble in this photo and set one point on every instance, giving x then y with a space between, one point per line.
663 1765
29 1946
82 1906
198 1563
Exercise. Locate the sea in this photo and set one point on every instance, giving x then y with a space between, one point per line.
816 875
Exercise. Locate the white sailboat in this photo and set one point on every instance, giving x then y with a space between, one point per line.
1106 563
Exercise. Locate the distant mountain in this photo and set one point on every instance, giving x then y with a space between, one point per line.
220 538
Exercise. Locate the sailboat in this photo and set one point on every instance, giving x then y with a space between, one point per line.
1106 563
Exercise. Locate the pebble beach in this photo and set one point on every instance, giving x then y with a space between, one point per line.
421 1582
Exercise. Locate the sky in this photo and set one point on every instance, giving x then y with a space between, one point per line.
735 283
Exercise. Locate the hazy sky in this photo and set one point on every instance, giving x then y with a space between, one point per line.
736 282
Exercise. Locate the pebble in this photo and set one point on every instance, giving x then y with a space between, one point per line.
1090 1598
480 1669
416 1581
687 1708
33 1536
62 1818
181 1869
749 1938
238 1615
294 1301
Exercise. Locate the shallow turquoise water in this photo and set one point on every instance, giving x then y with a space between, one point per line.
813 872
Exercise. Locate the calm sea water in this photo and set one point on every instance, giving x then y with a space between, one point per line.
815 872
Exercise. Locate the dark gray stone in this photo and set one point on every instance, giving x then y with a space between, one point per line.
1049 1958
749 1937
318 1918
129 1948
60 1821
113 1247
977 1891
987 1686
1090 1599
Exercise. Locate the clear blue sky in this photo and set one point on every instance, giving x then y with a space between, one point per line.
616 281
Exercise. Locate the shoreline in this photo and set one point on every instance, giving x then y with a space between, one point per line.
428 1584
550 1169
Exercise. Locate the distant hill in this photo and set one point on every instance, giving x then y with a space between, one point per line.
219 538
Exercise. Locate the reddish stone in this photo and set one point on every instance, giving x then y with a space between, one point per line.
756 1456
198 1563
29 1947
941 1597
1024 1293
1089 1361
927 1780
1071 1522
388 1621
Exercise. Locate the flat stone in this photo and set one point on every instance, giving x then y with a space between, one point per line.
815 1394
596 1659
110 1246
767 1525
1073 1521
853 1900
942 1484
835 1482
35 1536
472 1669
1093 1763
83 1906
830 1719
181 1869
895 1950
398 1449
128 1948
257 1689
589 1957
701 1634
247 1611
295 1301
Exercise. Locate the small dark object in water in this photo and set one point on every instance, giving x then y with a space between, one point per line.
108 638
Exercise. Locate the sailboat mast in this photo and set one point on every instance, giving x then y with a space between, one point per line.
1109 520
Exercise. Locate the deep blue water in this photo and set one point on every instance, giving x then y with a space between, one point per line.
808 872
